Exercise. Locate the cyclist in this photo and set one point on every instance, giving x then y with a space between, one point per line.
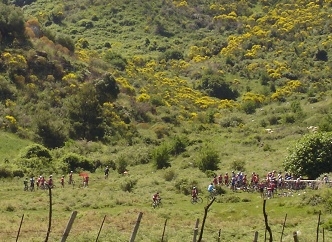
32 183
85 181
50 181
70 177
226 179
156 198
326 179
194 193
62 181
210 188
25 182
107 170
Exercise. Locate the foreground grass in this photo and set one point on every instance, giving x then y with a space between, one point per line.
236 220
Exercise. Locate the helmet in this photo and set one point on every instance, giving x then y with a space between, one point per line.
71 171
50 175
194 187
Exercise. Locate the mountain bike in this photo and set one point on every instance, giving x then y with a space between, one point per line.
72 183
195 200
212 194
157 203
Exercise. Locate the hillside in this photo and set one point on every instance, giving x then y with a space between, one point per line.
174 92
130 73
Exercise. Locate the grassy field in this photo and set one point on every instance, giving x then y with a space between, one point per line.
237 214
162 50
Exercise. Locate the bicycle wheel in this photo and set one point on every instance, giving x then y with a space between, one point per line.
199 200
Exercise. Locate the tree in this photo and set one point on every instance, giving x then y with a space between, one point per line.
11 23
209 159
311 156
107 89
161 156
85 114
215 86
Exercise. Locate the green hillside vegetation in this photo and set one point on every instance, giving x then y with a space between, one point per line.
174 92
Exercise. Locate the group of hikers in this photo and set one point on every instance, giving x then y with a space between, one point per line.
42 183
240 181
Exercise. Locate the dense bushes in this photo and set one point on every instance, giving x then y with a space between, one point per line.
215 86
311 156
36 151
116 60
11 24
161 156
76 162
209 159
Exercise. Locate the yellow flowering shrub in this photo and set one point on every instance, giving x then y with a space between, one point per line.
287 90
11 123
9 103
257 98
14 61
144 97
69 77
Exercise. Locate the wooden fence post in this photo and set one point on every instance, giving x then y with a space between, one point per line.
133 235
162 237
101 226
267 227
19 229
317 233
323 235
68 227
196 230
295 236
283 228
256 236
206 209
50 213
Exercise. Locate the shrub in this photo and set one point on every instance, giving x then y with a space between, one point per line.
107 89
36 151
231 122
161 131
169 174
66 41
232 199
273 120
160 156
289 118
128 185
116 60
11 23
220 190
178 145
238 165
183 186
267 147
121 164
173 55
50 131
5 172
311 156
249 107
7 91
18 173
10 208
209 159
215 86
76 162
